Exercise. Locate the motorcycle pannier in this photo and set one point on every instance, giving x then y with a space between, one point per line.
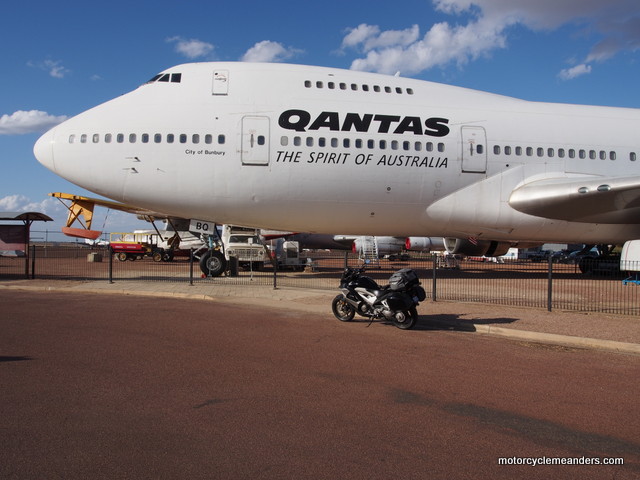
403 279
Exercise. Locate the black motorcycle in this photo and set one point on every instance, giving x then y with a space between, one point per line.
396 301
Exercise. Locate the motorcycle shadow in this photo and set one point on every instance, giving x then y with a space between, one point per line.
453 322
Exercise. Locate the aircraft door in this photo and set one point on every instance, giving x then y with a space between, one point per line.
255 140
474 150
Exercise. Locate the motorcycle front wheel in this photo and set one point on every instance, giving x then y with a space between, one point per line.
408 320
342 309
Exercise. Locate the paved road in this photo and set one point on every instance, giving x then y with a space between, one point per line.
95 386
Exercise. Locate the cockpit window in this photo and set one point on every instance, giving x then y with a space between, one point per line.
167 77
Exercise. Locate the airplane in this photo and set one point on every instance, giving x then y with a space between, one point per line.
313 149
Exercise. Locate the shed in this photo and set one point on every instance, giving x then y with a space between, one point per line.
15 238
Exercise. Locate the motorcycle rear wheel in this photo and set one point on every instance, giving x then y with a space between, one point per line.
342 309
410 319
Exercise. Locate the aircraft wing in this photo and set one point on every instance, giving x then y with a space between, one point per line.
607 200
81 211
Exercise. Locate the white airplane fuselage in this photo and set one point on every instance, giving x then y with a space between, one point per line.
311 149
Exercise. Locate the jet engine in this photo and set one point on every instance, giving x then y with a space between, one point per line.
478 248
424 244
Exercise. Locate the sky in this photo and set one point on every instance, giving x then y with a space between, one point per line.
61 58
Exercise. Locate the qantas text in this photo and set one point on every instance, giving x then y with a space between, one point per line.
301 121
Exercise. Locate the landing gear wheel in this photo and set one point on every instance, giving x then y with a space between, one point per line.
342 309
213 263
406 320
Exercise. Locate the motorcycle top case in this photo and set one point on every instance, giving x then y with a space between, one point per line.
403 279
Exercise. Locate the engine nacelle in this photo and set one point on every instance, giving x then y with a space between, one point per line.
424 244
385 245
463 246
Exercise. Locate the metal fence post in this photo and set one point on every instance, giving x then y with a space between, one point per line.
33 262
434 282
275 273
550 283
191 266
110 264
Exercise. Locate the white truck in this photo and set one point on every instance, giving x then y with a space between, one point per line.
239 243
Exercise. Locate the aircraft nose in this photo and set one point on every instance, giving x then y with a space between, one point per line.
43 150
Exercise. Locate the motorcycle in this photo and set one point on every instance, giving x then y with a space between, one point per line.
396 301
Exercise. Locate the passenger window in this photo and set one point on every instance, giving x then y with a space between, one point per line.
297 141
365 88
479 148
387 89
334 143
262 139
394 145
429 147
603 155
371 144
496 149
358 143
612 155
221 139
540 152
183 138
132 138
507 150
550 152
592 154
354 87
410 91
518 151
343 86
307 83
561 152
120 138
309 141
331 85
398 90
322 142
170 137
83 138
582 154
144 138
346 143
319 85
418 146
284 140
383 144
572 153
406 145
376 88
107 138
208 139
632 156
441 148
96 138
529 151
195 138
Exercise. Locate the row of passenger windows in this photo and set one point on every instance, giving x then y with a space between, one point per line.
560 152
147 138
360 143
355 87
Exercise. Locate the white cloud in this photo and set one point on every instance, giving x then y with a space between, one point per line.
53 67
20 203
191 48
616 22
578 70
33 121
268 51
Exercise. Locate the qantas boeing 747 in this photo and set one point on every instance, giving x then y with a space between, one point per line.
312 149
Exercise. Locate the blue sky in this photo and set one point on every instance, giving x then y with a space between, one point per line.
60 58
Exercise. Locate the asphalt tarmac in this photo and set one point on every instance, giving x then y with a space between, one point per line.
109 386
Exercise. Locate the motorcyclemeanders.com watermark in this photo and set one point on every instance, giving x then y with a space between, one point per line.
536 461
